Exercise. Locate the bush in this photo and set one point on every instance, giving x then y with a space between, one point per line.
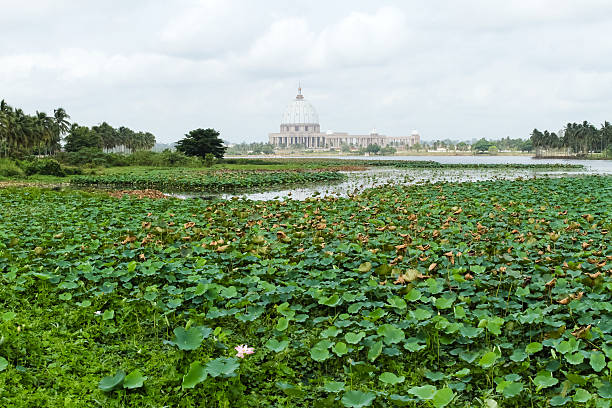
93 157
50 167
9 168
88 155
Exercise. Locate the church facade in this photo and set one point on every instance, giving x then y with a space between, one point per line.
300 126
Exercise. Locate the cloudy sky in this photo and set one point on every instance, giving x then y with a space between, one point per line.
457 69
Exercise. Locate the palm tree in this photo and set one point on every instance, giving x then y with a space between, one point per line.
606 135
45 129
60 119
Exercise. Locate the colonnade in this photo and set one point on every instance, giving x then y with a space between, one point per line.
327 140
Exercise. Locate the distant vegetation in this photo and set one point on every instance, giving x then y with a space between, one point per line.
575 138
204 143
251 148
39 133
105 137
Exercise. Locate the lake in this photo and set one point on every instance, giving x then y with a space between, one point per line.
376 177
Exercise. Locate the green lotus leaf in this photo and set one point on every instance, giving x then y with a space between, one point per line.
357 399
559 400
391 379
319 353
332 301
391 334
375 350
533 347
276 346
443 397
354 338
8 316
196 374
575 358
113 382
190 339
334 386
225 367
597 361
581 395
135 379
544 381
340 348
488 359
282 324
425 392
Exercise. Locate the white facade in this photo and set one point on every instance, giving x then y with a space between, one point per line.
300 126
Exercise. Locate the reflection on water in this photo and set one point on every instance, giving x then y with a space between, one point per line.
361 180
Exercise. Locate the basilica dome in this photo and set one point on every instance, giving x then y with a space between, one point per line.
300 111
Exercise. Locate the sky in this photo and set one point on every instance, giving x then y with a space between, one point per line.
451 69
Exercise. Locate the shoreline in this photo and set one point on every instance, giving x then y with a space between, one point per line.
315 154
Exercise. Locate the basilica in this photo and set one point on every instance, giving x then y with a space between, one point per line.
300 126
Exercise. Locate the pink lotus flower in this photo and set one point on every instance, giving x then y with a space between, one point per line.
243 349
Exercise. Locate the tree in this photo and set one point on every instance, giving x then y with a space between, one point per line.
482 145
372 148
81 137
61 127
198 142
462 146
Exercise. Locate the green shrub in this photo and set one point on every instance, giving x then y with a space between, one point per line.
85 156
8 168
50 167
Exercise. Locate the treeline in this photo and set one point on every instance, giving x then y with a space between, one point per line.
107 138
251 148
577 138
22 134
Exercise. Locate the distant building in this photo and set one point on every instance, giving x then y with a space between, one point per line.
300 126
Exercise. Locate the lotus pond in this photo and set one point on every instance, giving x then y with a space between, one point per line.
489 293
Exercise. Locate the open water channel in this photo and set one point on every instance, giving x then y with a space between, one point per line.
360 180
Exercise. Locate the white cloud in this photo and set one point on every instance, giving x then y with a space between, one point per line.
290 45
452 69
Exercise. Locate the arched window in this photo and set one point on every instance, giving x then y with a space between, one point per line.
297 128
306 128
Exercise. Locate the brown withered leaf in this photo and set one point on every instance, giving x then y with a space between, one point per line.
128 239
581 332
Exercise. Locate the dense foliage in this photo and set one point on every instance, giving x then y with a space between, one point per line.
21 133
202 142
211 181
579 138
251 148
104 136
93 157
445 294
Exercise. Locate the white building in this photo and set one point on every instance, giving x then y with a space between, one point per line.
300 126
